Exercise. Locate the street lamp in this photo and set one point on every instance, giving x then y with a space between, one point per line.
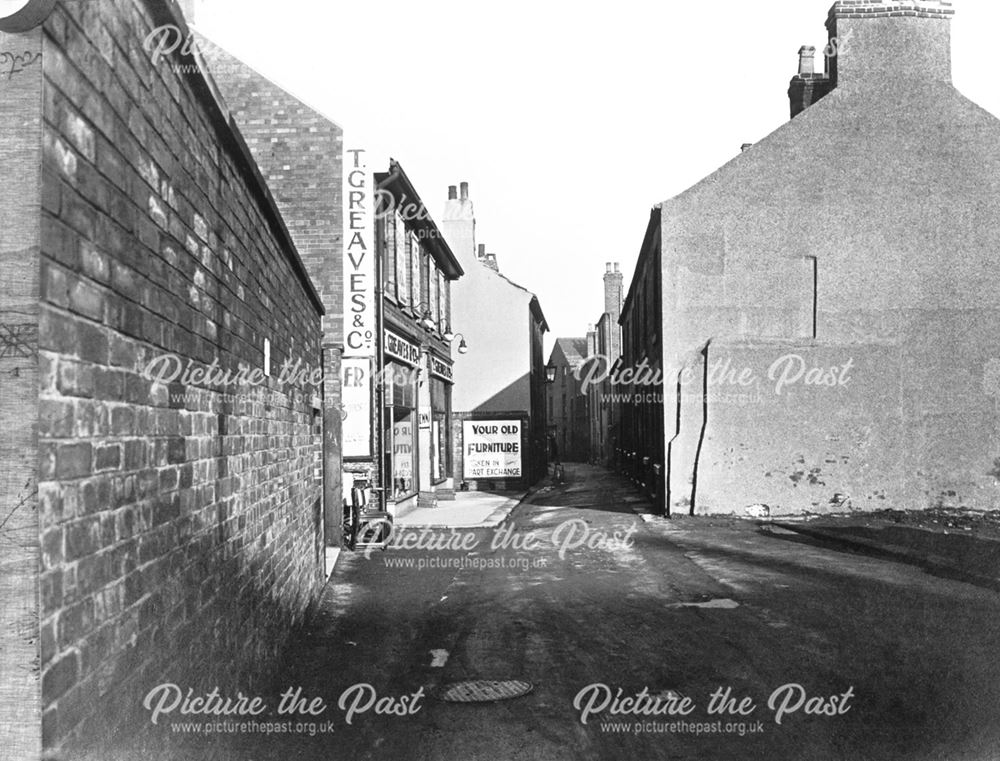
550 373
463 347
426 319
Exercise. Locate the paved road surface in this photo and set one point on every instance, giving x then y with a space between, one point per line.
681 607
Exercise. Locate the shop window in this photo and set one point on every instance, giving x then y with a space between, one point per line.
440 430
401 427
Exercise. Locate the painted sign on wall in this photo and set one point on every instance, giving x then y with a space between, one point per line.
356 403
491 448
359 305
359 256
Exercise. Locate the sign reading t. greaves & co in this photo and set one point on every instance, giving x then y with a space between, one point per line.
359 257
399 348
491 448
359 304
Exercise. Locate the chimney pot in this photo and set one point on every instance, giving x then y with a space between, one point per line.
482 250
188 9
465 191
608 265
616 266
452 192
807 60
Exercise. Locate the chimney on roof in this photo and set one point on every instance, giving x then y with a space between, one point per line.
464 186
613 292
452 192
188 8
807 86
482 251
877 43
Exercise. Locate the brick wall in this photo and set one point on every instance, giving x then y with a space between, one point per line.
300 153
178 522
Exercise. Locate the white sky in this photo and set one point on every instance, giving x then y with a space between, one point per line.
568 119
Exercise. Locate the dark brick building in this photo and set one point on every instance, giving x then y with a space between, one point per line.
604 348
418 271
300 152
567 404
637 377
178 511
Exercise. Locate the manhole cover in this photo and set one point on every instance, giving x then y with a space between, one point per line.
483 691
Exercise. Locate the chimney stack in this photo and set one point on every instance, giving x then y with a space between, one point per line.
482 251
452 192
877 43
613 292
807 86
464 191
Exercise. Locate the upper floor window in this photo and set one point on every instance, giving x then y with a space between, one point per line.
389 256
416 254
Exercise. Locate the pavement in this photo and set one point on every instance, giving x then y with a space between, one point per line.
964 555
786 647
468 510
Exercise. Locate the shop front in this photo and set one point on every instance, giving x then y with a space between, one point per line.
417 419
401 378
440 383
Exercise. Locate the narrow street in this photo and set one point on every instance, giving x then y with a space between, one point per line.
686 605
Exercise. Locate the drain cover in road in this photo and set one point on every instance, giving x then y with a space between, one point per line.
483 691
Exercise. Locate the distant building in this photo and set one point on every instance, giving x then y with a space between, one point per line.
604 346
831 297
639 451
568 417
499 397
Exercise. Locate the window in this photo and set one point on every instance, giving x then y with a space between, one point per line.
425 279
389 256
415 256
401 242
446 297
439 300
432 304
401 426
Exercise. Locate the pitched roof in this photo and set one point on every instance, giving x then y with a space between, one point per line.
573 350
